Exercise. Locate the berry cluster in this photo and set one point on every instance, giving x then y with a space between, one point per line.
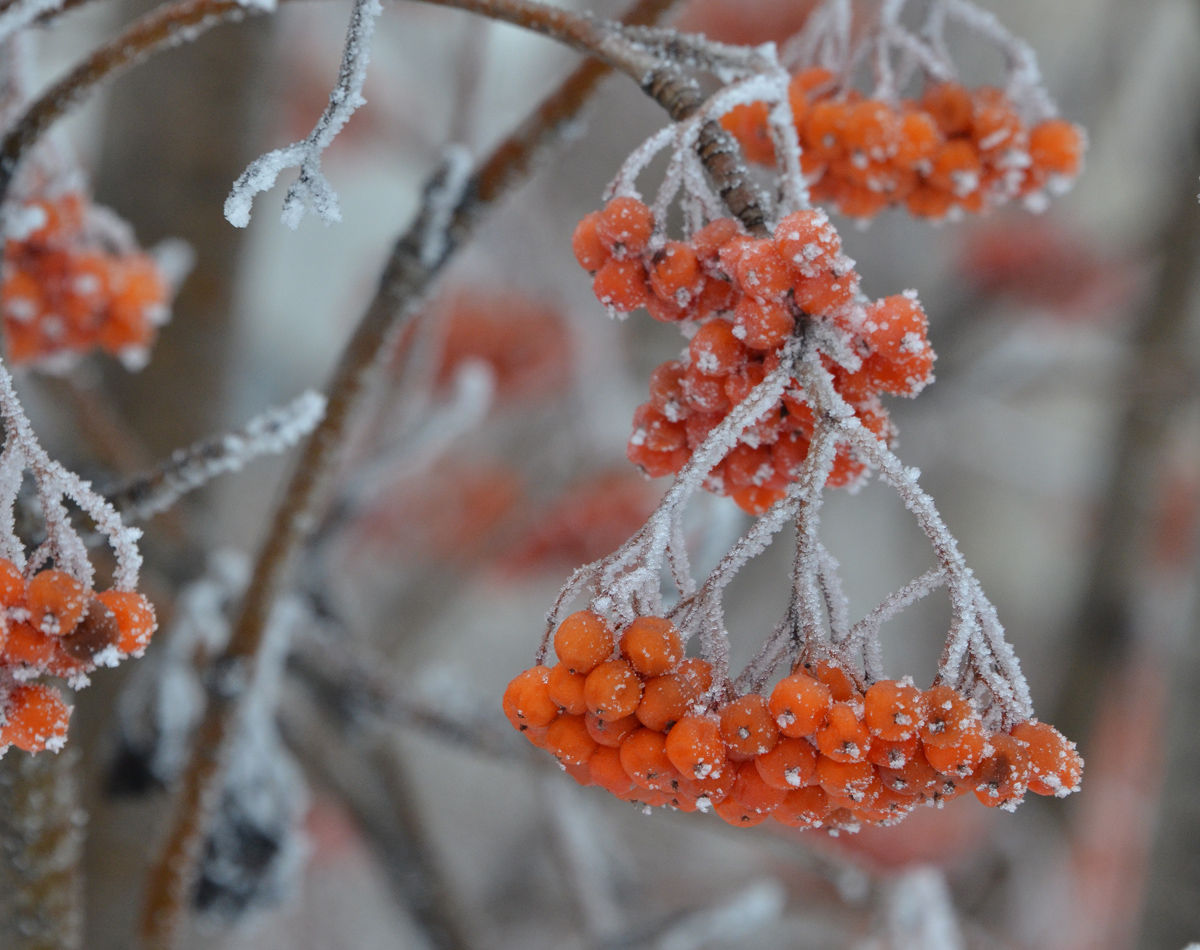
747 295
954 149
54 625
641 722
64 293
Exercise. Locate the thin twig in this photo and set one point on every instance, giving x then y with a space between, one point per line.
409 272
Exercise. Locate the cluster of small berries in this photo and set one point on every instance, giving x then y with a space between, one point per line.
64 294
818 752
953 149
54 625
747 294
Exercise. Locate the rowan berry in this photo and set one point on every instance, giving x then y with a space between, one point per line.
715 351
621 284
675 272
960 758
1056 147
896 326
800 705
892 710
613 690
826 293
698 425
950 106
667 699
919 139
893 755
527 699
644 757
652 646
56 602
761 272
808 241
704 393
666 389
844 738
926 201
955 168
764 325
823 129
654 431
566 689
840 683
35 718
1055 767
748 465
606 770
734 813
12 584
845 779
947 716
995 124
28 646
887 808
709 240
791 764
656 464
590 251
613 733
96 632
916 777
567 738
753 793
872 131
625 226
583 641
669 311
756 500
747 727
695 746
717 296
580 773
803 807
1003 776
748 124
715 786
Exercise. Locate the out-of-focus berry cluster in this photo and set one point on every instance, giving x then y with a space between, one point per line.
65 293
633 715
747 295
953 150
53 625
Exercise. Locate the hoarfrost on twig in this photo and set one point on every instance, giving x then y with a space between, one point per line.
311 190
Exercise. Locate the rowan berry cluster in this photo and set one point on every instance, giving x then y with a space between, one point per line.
54 625
636 717
742 299
66 290
952 150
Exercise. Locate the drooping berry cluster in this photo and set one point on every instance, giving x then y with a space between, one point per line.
952 150
65 292
637 718
747 295
54 625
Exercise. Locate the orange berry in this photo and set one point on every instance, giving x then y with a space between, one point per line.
28 646
844 738
56 602
718 296
956 168
961 758
590 250
625 226
765 325
840 683
950 106
947 716
709 240
748 124
845 779
652 646
887 808
580 773
824 125
566 689
704 393
656 464
755 500
761 271
808 241
621 284
1055 768
916 777
800 705
803 807
606 770
135 617
995 124
715 786
675 273
699 425
611 734
613 690
893 755
892 710
748 465
925 201
695 746
568 739
872 130
747 727
644 758
791 764
753 793
1003 776
919 139
654 431
1056 147
949 787
666 389
826 293
583 641
96 632
35 718
527 699
733 813
667 699
788 455
12 584
715 351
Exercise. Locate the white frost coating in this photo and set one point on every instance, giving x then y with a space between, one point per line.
271 433
311 190
441 202
919 913
23 12
751 909
55 484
